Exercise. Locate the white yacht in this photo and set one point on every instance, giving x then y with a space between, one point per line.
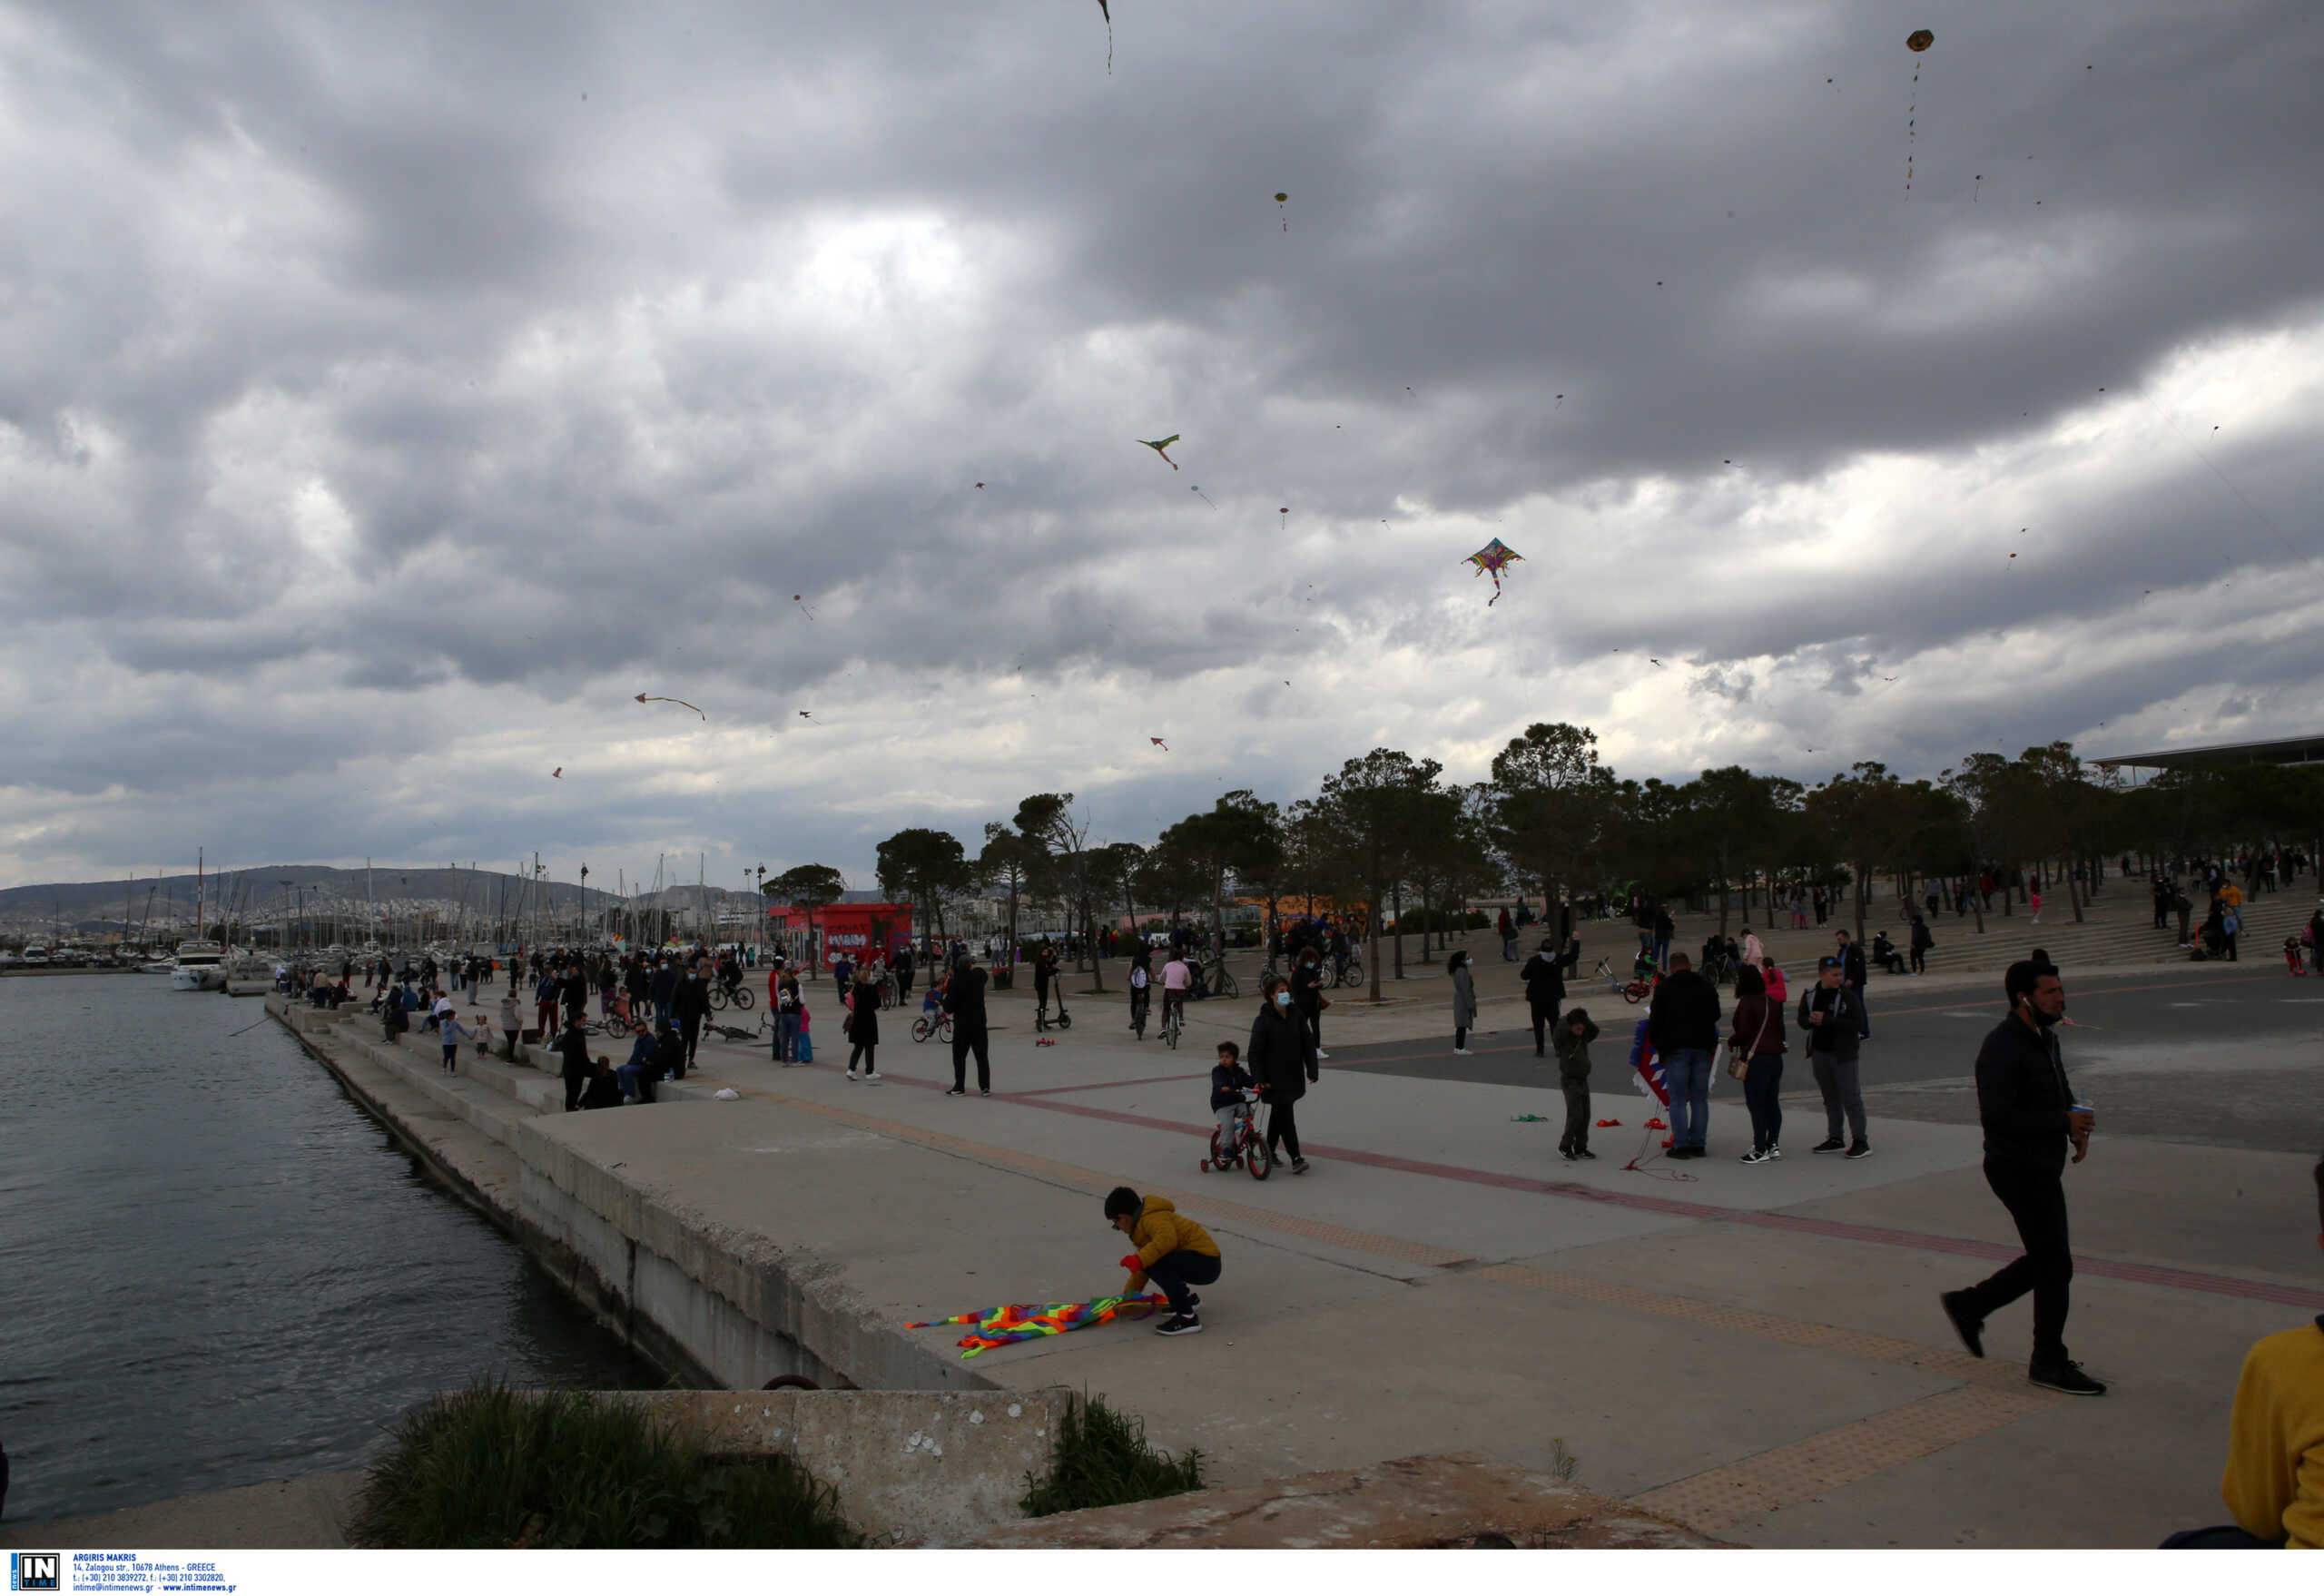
200 967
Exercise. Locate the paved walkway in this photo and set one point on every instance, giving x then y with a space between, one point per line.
1755 1351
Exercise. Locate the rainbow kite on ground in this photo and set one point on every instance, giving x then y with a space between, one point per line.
1012 1322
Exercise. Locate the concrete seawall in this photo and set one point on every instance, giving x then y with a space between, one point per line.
720 1307
923 1450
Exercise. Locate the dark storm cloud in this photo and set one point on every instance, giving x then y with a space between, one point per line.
370 369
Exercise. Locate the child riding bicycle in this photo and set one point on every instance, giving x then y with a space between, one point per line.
1232 1091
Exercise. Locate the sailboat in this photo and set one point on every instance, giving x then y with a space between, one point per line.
199 965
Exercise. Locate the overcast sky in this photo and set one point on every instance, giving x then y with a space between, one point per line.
390 393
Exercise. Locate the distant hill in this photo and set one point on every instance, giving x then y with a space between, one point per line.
318 892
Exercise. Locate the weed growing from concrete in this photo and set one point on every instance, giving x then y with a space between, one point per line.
494 1467
1104 1460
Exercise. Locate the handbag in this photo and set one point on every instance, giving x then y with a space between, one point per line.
1738 1068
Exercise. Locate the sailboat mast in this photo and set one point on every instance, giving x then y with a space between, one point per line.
197 894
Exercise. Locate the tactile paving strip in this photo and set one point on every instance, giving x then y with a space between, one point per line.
1834 1338
1720 1498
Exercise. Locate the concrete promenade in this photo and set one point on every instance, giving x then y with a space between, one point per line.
1754 1352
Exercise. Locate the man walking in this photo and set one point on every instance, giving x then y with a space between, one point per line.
690 1006
964 1002
1830 1019
1682 1025
1544 978
2030 1118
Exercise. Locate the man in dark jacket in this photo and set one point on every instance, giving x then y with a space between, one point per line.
964 1002
2030 1118
1852 976
1282 1059
669 1051
1682 1024
663 988
690 1006
1544 978
572 1048
1831 1022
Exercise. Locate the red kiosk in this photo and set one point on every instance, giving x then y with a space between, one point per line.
855 929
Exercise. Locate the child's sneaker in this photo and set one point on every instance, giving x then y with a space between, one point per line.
1180 1324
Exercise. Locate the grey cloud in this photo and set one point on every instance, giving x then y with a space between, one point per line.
599 383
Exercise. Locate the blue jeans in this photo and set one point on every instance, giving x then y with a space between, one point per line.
1760 1085
786 1037
1689 1073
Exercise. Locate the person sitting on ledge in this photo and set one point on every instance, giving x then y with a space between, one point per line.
603 1090
1173 1251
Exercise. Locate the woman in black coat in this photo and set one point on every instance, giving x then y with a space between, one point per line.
1281 1057
863 1028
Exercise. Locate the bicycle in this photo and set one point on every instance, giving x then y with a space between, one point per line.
938 1025
737 993
1635 991
1173 1021
1249 1148
1222 984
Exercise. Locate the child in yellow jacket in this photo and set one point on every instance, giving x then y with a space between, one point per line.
1173 1251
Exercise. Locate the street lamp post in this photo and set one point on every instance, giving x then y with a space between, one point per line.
584 931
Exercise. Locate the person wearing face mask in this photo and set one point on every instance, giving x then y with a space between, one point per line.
1281 1057
690 1006
2031 1118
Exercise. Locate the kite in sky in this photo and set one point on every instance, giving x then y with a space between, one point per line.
559 773
1010 1322
805 716
801 602
1492 560
1158 447
1285 524
1917 42
1159 743
1206 498
641 698
1109 16
1280 202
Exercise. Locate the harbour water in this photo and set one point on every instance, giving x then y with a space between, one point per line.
217 1269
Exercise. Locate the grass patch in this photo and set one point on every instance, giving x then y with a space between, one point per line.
1104 1460
494 1467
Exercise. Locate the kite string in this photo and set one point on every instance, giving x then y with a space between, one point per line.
2265 520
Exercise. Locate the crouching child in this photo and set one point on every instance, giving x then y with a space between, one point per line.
1173 1252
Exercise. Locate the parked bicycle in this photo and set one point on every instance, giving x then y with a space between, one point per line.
1635 991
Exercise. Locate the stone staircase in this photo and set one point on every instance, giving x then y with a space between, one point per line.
2117 930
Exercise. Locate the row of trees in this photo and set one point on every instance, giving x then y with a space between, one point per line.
1554 822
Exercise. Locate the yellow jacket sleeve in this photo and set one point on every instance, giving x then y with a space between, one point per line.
2274 1483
